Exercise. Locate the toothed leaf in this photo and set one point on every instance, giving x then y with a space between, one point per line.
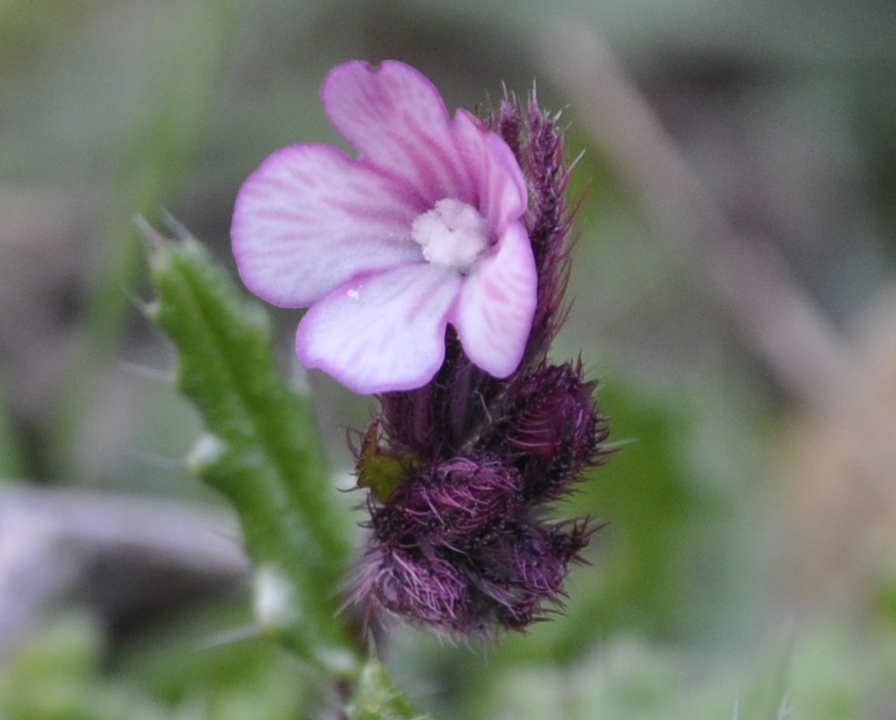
262 451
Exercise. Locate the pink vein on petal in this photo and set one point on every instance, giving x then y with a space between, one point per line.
310 218
396 119
385 331
494 312
501 187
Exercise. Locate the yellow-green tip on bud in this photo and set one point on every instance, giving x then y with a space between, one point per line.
382 473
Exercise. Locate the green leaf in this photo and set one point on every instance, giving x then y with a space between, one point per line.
376 698
261 451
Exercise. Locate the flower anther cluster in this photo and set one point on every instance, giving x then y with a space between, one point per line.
434 266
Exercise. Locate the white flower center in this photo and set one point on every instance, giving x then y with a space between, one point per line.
452 234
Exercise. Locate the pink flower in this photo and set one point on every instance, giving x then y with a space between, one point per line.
424 228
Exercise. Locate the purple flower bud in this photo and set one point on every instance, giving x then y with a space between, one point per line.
448 504
552 427
453 549
529 562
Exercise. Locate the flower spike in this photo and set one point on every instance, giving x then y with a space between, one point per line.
434 265
461 544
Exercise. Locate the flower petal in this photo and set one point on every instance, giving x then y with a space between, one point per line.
494 313
396 120
500 186
383 332
309 218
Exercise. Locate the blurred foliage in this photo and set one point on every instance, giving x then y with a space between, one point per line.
213 662
12 463
823 676
56 676
193 669
183 66
60 674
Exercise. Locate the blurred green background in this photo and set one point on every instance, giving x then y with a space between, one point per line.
748 564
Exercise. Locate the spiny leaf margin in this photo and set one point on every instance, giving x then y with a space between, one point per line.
262 452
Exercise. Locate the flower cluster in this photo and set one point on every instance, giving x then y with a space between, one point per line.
435 265
458 539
